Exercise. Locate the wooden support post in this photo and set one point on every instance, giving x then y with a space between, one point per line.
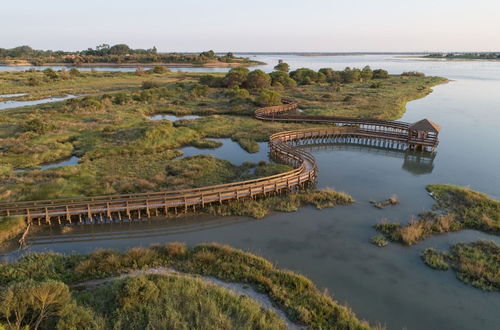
68 215
47 217
185 205
79 218
28 216
148 213
165 205
220 198
202 201
120 216
128 212
108 211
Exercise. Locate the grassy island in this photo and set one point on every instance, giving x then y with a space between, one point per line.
477 263
117 55
159 288
456 208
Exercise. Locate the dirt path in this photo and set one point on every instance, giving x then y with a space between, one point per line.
235 288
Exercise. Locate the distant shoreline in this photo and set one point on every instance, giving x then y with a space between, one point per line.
137 64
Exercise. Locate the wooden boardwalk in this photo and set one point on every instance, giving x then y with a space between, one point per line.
284 147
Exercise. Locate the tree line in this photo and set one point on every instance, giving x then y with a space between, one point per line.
120 53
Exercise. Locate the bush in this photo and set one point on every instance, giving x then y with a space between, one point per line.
268 98
305 76
380 74
434 259
37 125
379 240
212 81
282 67
258 79
74 72
236 77
279 77
149 84
160 69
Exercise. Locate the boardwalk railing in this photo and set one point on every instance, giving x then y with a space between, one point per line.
283 147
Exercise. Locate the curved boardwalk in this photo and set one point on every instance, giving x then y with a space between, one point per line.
284 147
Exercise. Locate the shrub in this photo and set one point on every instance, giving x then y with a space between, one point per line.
268 98
282 67
74 72
160 69
380 74
37 125
258 79
149 84
175 249
413 74
236 77
434 259
379 240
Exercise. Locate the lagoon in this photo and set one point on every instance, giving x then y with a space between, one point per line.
332 246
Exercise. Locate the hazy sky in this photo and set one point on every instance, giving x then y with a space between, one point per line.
254 25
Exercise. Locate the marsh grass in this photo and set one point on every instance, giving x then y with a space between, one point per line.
434 259
476 263
456 208
11 227
296 295
322 198
393 200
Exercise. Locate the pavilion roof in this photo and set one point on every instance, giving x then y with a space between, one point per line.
425 125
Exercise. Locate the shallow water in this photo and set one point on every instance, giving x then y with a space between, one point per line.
231 151
11 95
16 104
73 160
332 246
172 118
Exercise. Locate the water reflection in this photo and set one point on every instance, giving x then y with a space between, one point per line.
73 160
415 162
230 151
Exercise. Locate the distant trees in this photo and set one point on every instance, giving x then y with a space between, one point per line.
380 74
305 76
282 66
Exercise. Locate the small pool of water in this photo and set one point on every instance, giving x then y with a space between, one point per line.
65 162
17 104
11 95
172 118
230 151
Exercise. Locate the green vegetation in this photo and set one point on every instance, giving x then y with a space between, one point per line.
477 263
465 56
379 240
456 208
258 209
393 200
121 151
117 54
434 259
11 227
141 299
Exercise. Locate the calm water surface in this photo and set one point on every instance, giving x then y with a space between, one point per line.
332 247
17 104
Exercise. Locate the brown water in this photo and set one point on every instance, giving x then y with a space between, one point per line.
332 247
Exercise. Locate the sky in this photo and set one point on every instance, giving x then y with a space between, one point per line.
254 25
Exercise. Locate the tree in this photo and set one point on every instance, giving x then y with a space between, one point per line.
208 54
120 49
304 76
258 79
380 74
366 73
236 77
280 77
282 66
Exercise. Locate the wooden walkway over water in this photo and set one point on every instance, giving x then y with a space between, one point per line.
284 147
